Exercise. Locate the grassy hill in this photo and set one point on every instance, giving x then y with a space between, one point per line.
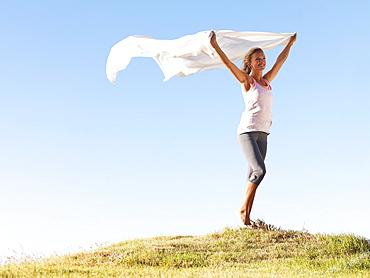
263 252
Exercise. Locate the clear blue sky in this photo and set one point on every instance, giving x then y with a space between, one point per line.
86 162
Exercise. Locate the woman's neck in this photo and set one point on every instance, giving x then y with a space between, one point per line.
257 75
259 78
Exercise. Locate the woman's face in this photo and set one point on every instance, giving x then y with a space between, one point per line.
258 61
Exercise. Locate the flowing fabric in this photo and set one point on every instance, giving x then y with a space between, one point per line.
189 54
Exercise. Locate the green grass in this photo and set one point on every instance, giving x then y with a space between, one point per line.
263 252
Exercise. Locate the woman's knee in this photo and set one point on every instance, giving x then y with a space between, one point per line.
257 175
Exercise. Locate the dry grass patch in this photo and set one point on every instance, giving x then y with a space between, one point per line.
264 252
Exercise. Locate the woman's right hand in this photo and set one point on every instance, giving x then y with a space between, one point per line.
212 37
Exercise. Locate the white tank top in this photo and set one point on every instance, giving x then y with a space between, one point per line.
257 115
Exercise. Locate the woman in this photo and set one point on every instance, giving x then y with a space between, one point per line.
256 120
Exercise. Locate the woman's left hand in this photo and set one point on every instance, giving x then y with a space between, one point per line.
293 38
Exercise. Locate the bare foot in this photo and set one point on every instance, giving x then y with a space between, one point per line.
245 218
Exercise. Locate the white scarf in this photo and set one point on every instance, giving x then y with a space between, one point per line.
189 54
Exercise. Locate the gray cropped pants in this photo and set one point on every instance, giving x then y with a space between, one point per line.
254 147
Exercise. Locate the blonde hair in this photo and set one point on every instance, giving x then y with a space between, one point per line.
247 59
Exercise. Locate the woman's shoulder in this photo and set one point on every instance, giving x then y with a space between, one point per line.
251 83
267 81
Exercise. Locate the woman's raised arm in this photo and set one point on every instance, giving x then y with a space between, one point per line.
270 75
241 76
